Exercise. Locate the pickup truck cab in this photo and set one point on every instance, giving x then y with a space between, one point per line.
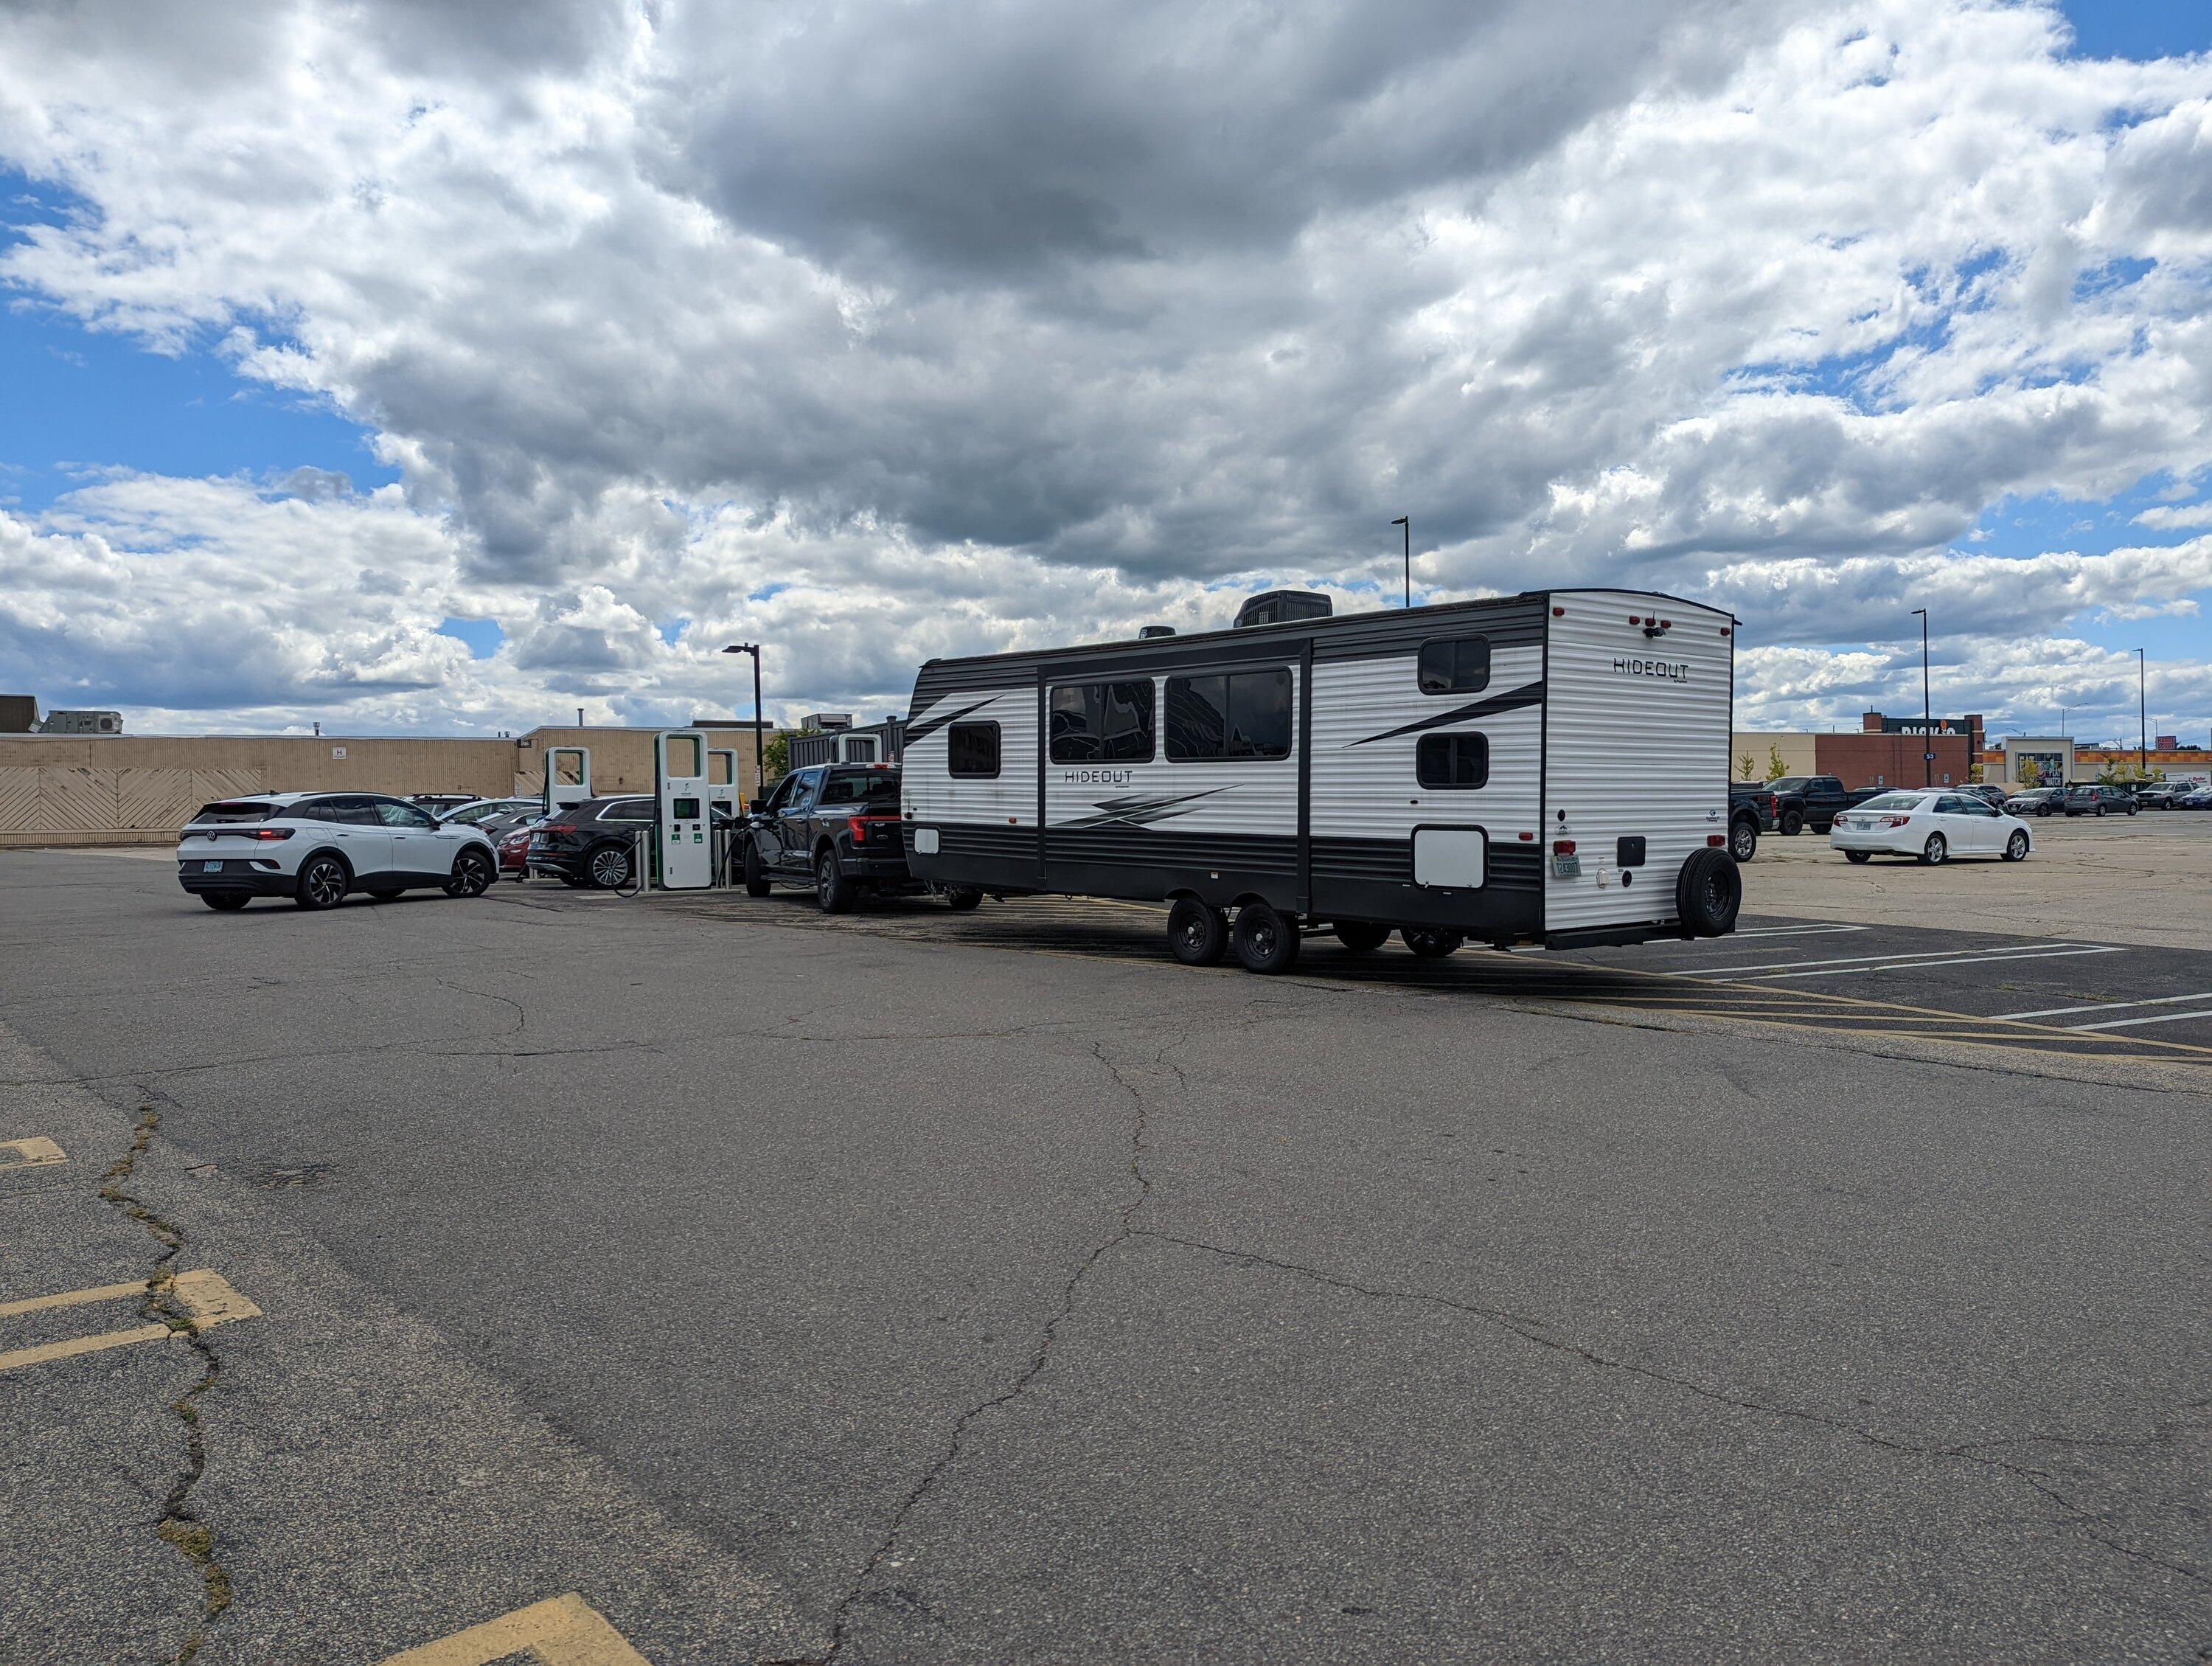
834 827
1814 801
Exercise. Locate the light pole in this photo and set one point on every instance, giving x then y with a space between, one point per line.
1927 711
760 760
1406 522
2142 715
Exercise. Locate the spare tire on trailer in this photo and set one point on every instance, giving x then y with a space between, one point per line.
1708 892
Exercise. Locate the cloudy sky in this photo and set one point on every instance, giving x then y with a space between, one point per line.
417 365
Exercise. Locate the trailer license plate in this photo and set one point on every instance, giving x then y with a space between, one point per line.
1566 867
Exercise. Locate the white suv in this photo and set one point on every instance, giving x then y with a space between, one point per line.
315 847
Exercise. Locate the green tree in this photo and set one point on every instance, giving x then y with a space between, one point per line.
1746 768
1776 768
2031 773
777 753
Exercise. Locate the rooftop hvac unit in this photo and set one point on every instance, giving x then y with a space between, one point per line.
1275 606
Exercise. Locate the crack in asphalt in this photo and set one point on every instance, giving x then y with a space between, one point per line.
179 1523
1125 1228
1530 1331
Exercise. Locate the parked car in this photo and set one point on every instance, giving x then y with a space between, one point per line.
2093 801
591 843
2161 795
1813 801
835 827
314 847
442 803
2196 799
1990 794
1930 826
1749 809
494 816
2037 801
513 846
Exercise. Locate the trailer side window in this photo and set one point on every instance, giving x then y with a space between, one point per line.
1102 722
1452 760
1239 714
972 750
1455 664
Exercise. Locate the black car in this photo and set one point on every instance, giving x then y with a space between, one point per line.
2087 801
595 843
834 827
2037 801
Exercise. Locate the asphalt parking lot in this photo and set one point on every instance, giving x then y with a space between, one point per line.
709 1280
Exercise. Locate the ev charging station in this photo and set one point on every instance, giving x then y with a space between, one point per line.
722 762
681 775
567 776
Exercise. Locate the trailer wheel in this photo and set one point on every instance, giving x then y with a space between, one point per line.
1708 892
1428 943
1198 934
1266 941
961 898
1362 936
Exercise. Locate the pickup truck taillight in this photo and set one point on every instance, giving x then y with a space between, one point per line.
863 827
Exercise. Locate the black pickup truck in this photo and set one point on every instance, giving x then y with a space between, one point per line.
1749 817
1798 802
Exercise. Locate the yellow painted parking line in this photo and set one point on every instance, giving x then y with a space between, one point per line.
29 1153
206 1297
561 1631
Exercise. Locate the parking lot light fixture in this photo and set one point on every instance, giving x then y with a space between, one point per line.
1927 710
760 746
1407 521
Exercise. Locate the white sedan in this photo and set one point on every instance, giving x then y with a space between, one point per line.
1933 826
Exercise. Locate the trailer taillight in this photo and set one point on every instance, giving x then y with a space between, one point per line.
1563 846
1715 840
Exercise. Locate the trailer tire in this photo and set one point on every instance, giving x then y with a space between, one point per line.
961 898
1362 936
1197 935
756 874
1708 892
1427 943
1267 942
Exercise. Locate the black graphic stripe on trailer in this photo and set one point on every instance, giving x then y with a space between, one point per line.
1529 694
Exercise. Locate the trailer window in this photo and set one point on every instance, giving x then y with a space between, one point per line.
1452 760
1103 723
1455 664
972 750
1239 714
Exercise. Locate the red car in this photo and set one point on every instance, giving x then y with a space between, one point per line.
515 850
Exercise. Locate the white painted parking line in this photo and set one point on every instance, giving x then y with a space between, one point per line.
1797 931
2107 1006
2126 1024
1924 965
2000 950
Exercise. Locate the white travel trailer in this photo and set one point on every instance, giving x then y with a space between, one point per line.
1545 768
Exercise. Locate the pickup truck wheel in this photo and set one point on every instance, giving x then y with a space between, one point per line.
961 898
756 873
1858 855
1429 945
832 890
1266 941
1198 934
1708 892
1743 841
1792 824
1935 853
1362 936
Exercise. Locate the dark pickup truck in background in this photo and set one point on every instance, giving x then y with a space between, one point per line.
1791 803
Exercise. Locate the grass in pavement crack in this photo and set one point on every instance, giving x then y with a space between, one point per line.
179 1524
